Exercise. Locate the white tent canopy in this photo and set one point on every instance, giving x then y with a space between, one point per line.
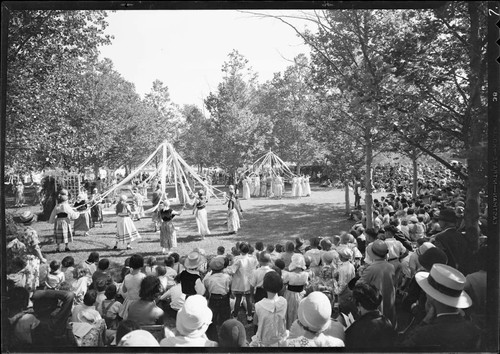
172 170
270 164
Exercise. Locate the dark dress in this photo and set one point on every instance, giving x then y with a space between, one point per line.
371 330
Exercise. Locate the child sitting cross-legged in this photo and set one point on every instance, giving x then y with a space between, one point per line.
270 314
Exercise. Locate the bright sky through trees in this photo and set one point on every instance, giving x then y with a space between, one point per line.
185 49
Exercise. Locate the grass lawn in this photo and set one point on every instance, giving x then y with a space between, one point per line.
264 219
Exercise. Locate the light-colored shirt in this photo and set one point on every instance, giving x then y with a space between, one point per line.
218 283
176 296
396 248
257 279
86 314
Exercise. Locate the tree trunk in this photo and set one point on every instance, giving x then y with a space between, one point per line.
414 159
297 169
347 198
96 171
474 132
368 180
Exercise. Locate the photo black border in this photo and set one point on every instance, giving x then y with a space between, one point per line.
493 124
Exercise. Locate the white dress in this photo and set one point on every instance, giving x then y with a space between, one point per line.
308 186
294 186
246 189
299 187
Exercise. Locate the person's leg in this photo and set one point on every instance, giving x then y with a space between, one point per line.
248 297
237 304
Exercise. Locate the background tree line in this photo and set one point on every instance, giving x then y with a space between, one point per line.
410 81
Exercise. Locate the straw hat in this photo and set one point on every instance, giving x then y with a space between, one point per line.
193 260
138 338
424 247
314 312
27 217
123 197
446 285
194 316
297 261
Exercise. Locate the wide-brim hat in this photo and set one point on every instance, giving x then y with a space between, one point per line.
123 197
26 217
194 316
432 256
138 338
314 312
298 261
446 285
377 249
193 260
424 247
413 218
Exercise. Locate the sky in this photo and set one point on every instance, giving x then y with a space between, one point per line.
185 49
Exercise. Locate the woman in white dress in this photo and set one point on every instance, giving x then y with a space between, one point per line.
294 186
299 187
125 228
200 212
233 212
307 191
257 186
279 187
303 185
246 188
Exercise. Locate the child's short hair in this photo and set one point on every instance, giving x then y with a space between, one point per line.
100 285
161 270
221 250
110 291
54 265
251 250
244 248
169 261
278 247
270 248
136 261
80 271
175 255
127 262
235 251
259 246
93 257
151 261
272 282
420 218
68 261
90 297
103 264
280 263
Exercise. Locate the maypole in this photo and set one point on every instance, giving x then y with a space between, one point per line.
164 170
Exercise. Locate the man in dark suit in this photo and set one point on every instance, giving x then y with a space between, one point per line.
371 329
453 242
444 327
